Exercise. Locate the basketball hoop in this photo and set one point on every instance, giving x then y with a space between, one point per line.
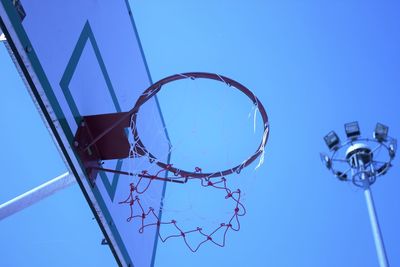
105 139
155 88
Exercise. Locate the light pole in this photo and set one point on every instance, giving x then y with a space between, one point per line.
360 161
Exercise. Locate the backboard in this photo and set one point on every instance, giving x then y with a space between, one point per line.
83 58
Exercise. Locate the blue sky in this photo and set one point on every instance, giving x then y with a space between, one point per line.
314 65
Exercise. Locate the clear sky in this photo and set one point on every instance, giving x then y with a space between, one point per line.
314 65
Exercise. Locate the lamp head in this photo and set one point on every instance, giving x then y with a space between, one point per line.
332 140
381 132
352 130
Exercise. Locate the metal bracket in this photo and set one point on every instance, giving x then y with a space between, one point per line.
113 145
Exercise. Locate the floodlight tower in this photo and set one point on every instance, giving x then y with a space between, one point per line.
360 161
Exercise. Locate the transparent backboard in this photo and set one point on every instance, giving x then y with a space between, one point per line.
83 58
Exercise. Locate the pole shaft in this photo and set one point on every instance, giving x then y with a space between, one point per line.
35 195
380 247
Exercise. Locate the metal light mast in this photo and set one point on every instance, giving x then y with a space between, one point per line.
360 161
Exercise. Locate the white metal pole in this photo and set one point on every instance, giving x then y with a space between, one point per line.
380 247
36 194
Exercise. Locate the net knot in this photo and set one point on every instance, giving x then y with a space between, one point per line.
236 210
197 169
228 195
132 187
168 166
183 234
143 215
209 238
210 183
173 221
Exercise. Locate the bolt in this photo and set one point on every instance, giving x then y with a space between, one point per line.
28 49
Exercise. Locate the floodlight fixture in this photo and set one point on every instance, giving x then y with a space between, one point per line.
381 132
341 175
383 169
392 148
326 160
332 140
352 130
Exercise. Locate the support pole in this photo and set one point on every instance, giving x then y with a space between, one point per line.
36 194
380 247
